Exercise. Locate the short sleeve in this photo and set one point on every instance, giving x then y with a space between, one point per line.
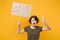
26 28
40 29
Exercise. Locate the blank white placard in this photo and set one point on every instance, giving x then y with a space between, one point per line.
20 9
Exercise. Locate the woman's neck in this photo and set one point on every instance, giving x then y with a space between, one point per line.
33 27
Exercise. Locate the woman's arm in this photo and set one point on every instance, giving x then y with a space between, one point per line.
19 31
44 22
47 28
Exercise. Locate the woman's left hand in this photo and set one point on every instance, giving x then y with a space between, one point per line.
43 20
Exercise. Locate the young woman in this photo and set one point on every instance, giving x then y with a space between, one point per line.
33 30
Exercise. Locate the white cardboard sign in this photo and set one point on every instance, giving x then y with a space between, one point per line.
19 9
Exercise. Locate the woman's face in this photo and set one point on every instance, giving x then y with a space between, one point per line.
33 22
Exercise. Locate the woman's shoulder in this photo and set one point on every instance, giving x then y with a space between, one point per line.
39 26
27 26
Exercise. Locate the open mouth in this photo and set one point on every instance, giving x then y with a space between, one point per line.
33 23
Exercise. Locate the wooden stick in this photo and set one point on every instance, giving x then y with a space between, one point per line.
18 18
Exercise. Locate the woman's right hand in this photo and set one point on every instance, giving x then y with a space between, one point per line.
18 23
19 31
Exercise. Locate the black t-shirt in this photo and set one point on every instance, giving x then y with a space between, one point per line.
33 34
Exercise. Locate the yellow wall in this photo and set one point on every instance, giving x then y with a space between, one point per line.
48 8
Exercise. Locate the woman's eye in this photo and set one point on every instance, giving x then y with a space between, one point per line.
33 20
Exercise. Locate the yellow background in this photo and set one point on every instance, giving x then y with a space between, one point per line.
48 8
